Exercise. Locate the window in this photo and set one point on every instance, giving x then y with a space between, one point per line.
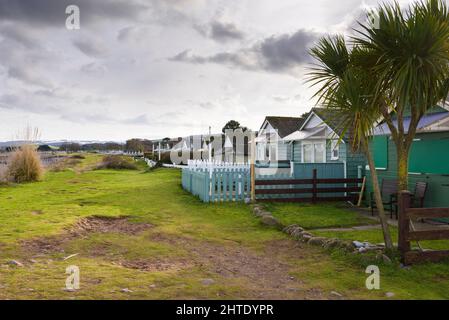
320 152
307 152
313 152
335 150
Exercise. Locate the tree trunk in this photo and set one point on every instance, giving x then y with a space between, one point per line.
378 197
402 152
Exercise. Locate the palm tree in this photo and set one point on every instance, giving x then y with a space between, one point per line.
409 55
348 90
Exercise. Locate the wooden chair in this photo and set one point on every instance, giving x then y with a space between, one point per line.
417 199
388 190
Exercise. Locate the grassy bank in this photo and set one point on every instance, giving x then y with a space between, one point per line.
170 245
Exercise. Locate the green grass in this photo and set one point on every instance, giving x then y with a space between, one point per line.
224 242
311 216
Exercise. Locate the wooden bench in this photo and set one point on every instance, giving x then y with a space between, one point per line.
389 190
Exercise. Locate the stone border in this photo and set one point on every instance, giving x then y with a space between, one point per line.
300 234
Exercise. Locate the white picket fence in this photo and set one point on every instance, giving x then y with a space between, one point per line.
133 153
211 166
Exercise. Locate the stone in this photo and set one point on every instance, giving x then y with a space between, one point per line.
126 290
152 286
306 237
270 221
15 263
316 241
332 243
289 229
336 294
389 294
256 210
358 244
207 282
305 233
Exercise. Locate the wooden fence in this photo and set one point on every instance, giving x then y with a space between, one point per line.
217 185
407 232
287 190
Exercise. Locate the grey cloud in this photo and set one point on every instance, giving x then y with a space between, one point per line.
245 59
91 48
23 103
93 69
52 12
285 51
220 31
19 35
225 31
274 54
125 33
28 76
139 120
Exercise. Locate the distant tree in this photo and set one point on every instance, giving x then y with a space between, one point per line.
44 148
134 145
70 147
108 146
233 125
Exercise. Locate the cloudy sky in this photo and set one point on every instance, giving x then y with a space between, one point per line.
157 68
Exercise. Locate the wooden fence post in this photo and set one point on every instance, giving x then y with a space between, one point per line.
253 167
314 186
404 222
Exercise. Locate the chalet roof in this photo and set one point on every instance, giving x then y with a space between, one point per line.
434 121
285 125
332 119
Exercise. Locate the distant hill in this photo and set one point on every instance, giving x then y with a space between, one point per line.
55 143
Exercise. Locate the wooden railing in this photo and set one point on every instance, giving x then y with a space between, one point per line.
407 232
341 193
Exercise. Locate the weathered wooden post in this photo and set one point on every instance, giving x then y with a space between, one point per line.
159 147
314 186
404 223
253 167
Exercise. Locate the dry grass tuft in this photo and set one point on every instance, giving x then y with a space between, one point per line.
25 165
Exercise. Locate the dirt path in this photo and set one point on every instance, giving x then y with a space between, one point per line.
262 274
265 274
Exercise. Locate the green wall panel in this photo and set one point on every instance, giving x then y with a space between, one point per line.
379 147
430 156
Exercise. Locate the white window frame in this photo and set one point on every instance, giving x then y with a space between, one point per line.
313 144
335 146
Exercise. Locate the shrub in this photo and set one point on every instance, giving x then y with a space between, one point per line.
78 156
117 162
25 165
